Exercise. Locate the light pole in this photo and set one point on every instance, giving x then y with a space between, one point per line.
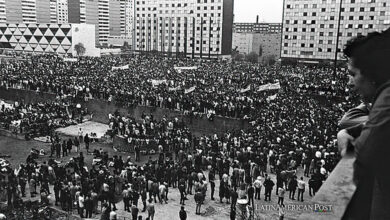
337 40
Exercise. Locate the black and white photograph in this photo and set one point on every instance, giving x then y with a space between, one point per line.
194 109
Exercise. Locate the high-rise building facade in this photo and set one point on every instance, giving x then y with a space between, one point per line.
62 12
310 27
30 11
111 17
3 15
257 28
197 28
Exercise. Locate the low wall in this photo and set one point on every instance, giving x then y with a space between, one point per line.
101 109
336 192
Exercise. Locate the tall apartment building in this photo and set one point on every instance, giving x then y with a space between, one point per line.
257 28
61 12
197 28
310 27
3 15
110 17
33 11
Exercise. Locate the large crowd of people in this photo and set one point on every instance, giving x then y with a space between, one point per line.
292 126
220 88
39 119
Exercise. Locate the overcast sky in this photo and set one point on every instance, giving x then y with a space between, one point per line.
268 10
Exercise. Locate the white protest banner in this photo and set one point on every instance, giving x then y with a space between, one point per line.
191 89
180 69
246 89
125 67
156 82
272 97
68 59
269 86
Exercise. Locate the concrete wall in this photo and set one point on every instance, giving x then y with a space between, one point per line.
85 33
101 109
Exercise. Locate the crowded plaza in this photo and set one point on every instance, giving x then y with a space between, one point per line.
289 147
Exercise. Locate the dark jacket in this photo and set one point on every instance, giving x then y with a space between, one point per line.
371 167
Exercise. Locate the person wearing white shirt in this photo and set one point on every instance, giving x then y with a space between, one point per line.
257 184
301 189
81 204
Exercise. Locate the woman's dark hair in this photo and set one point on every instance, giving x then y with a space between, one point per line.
371 54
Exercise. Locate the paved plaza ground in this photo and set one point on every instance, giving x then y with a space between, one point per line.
19 150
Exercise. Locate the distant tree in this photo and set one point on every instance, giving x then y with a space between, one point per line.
125 47
236 56
80 49
252 57
269 59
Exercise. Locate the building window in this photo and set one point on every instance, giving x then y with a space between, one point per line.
329 50
302 45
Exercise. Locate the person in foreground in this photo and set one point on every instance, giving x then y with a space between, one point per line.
369 67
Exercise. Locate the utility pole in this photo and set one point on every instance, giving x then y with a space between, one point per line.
337 41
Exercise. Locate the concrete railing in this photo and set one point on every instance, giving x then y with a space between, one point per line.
336 192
